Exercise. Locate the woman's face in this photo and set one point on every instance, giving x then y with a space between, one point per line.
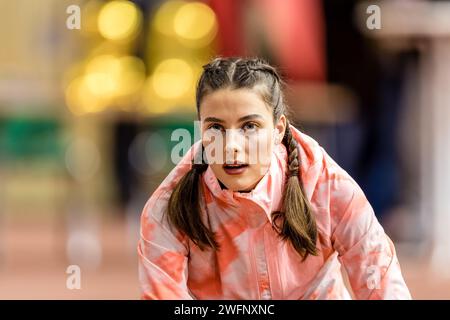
238 134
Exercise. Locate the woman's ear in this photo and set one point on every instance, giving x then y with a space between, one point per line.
280 129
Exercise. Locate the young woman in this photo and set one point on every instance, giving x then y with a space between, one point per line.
276 228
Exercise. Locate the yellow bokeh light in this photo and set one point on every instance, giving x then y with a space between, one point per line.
195 22
172 78
111 76
164 17
119 20
102 63
89 12
100 84
152 103
106 78
80 100
131 75
101 75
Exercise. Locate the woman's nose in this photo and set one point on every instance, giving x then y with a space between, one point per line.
234 143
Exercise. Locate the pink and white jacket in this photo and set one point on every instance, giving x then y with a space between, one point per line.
253 262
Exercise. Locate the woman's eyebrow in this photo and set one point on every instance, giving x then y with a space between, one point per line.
213 119
242 119
250 117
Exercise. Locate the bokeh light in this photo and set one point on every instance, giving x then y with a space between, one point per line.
83 249
80 100
119 20
148 153
193 24
165 15
105 79
101 75
89 12
131 75
172 78
196 23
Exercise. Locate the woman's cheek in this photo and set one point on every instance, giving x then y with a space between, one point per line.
259 148
213 149
260 170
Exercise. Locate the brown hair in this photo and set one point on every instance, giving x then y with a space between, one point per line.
296 220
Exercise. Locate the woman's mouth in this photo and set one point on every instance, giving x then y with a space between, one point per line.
235 168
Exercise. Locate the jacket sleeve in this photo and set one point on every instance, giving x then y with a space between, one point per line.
366 252
163 252
163 256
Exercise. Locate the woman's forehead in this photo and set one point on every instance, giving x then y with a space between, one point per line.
233 104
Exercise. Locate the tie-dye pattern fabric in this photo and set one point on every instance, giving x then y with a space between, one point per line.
253 262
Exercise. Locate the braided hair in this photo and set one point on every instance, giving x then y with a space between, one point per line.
295 222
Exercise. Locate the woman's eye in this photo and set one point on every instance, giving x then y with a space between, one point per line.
216 127
250 127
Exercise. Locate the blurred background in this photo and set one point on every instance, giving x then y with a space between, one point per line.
90 92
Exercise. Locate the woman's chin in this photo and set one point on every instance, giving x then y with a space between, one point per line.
240 186
239 182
